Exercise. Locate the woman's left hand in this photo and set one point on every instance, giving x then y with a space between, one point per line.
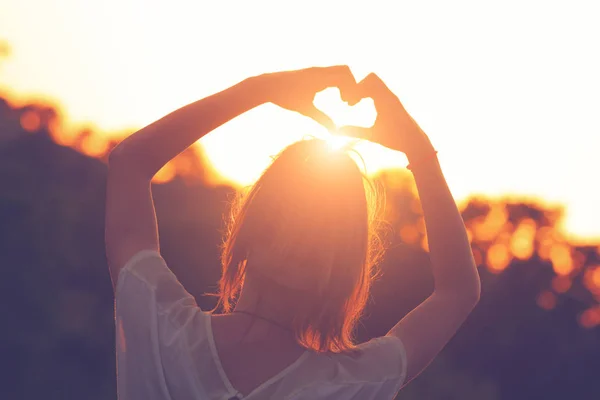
296 90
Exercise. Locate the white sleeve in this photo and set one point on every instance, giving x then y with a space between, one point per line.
150 302
394 354
387 356
380 367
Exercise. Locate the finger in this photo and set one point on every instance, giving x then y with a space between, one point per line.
339 76
333 70
355 131
371 86
319 116
372 82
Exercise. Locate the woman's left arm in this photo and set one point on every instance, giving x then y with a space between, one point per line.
130 224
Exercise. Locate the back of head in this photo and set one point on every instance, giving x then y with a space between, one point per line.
307 225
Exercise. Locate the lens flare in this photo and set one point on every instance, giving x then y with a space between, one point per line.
337 142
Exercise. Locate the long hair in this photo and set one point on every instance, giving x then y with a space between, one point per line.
308 224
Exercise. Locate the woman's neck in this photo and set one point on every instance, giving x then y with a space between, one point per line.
266 299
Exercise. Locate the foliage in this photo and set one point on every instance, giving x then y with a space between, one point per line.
524 340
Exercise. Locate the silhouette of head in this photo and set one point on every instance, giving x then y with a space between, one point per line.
306 226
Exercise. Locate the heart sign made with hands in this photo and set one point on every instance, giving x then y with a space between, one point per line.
393 128
360 114
373 112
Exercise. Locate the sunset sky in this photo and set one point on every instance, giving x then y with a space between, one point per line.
509 92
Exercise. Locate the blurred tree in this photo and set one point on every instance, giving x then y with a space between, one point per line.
524 340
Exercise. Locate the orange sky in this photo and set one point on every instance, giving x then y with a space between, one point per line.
508 91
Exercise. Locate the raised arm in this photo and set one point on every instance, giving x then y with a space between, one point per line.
428 328
130 224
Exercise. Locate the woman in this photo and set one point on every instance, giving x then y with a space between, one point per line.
297 259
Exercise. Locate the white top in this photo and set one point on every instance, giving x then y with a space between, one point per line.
166 350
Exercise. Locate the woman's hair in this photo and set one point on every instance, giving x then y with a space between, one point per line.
308 225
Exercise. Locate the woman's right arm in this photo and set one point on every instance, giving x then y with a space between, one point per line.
429 327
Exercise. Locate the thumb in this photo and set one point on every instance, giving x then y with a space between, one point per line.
313 112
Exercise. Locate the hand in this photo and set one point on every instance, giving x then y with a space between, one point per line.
296 90
394 127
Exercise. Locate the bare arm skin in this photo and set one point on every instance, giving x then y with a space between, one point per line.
131 220
130 224
428 328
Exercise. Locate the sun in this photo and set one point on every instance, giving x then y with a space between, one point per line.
242 149
337 142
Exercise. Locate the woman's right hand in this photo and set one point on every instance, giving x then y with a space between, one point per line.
394 127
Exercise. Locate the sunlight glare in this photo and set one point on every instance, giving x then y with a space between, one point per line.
361 114
140 73
337 142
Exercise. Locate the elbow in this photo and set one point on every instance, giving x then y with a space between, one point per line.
472 284
468 299
115 157
129 158
122 163
473 294
472 290
477 285
118 161
465 289
120 156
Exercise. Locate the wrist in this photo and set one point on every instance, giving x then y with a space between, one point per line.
254 90
421 155
419 149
